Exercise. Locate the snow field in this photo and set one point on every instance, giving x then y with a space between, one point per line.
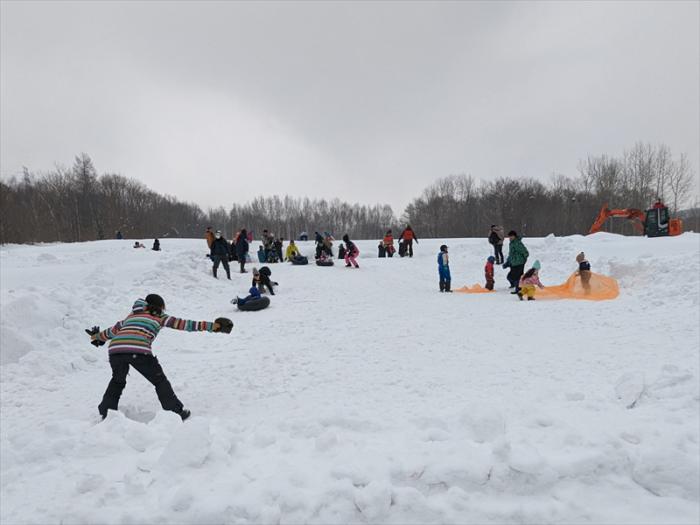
359 396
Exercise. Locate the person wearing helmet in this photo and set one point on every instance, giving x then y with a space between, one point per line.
130 346
443 260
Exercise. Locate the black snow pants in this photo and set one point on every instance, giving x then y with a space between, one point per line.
516 272
409 247
498 253
221 259
149 367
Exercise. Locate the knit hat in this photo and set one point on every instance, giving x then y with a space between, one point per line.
443 248
536 265
512 233
155 302
580 257
491 259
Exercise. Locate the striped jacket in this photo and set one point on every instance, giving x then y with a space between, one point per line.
135 334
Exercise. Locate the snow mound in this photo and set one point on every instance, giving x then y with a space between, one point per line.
363 396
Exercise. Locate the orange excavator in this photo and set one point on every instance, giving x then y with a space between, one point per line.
655 222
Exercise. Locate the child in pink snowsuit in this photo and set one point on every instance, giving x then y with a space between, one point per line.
529 281
351 252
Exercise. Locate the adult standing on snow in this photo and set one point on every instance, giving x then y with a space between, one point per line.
267 241
242 249
130 345
408 236
496 239
219 254
517 257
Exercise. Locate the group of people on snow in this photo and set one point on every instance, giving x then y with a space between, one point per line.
522 283
386 245
130 339
221 252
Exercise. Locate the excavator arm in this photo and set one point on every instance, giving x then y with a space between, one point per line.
636 216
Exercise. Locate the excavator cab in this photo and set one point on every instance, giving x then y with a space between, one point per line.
656 223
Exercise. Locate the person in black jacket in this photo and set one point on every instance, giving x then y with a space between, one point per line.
261 279
496 239
219 254
242 249
318 239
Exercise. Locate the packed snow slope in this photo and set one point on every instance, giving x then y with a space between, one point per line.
361 396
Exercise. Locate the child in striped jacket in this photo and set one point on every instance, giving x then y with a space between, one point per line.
130 345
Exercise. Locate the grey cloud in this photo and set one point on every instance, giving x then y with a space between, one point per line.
216 101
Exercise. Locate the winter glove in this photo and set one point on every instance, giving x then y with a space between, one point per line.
223 324
92 332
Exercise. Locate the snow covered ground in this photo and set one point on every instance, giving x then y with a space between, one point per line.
359 395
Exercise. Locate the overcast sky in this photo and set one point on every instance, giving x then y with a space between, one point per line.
216 102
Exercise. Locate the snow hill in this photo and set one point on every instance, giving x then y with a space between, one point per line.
361 396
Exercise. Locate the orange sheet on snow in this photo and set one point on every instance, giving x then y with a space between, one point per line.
601 288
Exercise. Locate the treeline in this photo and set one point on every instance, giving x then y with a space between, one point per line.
77 204
460 206
287 217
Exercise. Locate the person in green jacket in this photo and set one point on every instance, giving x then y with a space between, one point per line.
517 257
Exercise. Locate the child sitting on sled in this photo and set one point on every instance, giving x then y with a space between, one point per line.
253 293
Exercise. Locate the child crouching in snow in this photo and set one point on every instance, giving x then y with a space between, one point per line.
130 345
488 272
528 282
352 252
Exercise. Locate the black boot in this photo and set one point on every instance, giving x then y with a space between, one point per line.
184 414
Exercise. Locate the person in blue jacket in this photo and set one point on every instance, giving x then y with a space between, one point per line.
443 261
253 293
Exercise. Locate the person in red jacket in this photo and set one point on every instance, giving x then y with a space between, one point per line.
388 243
488 272
408 236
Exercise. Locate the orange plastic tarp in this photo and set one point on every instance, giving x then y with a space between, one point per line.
601 288
477 288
